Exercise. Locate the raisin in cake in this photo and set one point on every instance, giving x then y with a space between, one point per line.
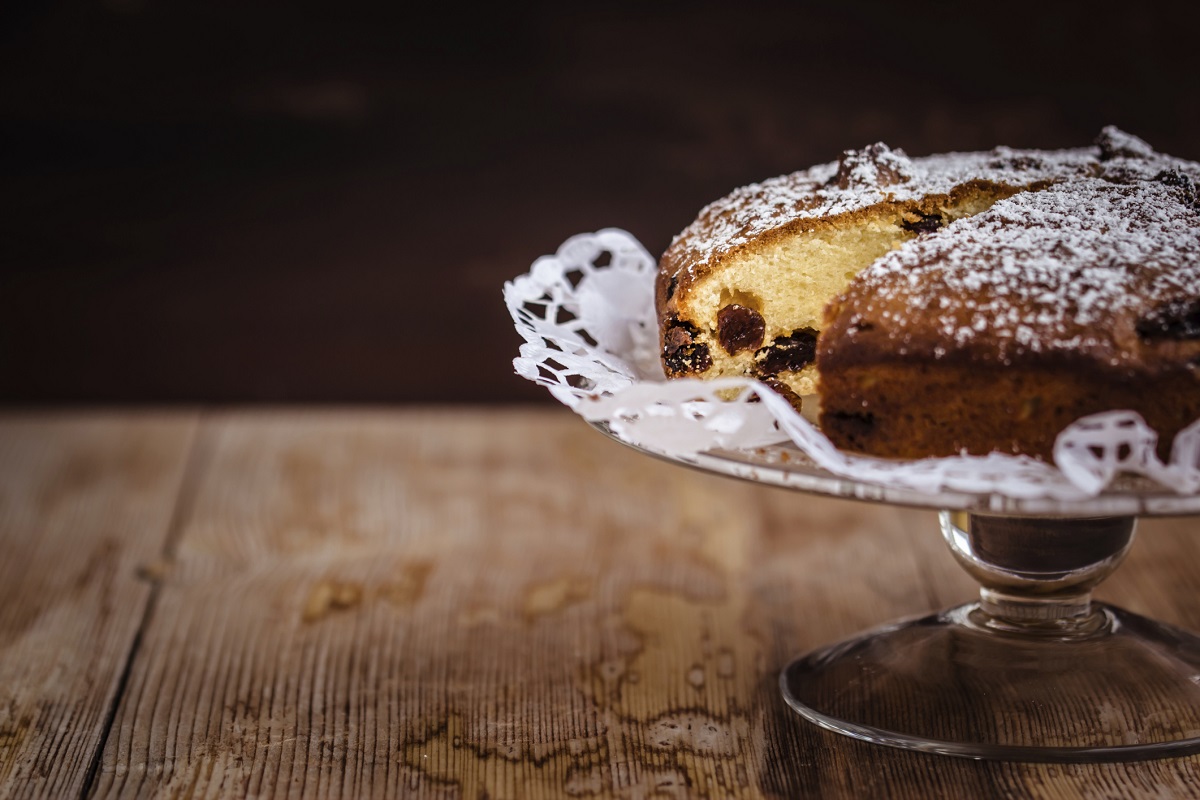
959 302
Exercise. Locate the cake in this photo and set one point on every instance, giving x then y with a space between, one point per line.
963 302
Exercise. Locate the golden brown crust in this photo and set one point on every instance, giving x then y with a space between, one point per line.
861 329
917 409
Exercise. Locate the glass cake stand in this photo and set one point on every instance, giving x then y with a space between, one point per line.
1034 670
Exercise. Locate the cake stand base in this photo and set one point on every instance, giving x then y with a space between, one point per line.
1033 671
944 684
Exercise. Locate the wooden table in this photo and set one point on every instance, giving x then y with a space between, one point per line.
456 603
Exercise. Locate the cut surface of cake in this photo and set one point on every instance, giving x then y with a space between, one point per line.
969 302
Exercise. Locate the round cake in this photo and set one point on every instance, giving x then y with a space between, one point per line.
963 302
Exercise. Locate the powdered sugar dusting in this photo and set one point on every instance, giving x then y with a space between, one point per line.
826 190
1114 142
877 173
1071 267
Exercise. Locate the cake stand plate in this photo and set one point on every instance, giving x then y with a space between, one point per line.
1034 670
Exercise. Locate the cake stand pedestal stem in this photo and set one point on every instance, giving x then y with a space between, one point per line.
1036 575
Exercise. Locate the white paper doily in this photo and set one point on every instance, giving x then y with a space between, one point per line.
591 337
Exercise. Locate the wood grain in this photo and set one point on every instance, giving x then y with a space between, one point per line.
504 604
84 503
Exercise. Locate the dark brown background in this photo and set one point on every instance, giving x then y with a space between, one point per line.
311 201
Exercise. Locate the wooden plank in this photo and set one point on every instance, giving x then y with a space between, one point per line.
85 501
505 604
